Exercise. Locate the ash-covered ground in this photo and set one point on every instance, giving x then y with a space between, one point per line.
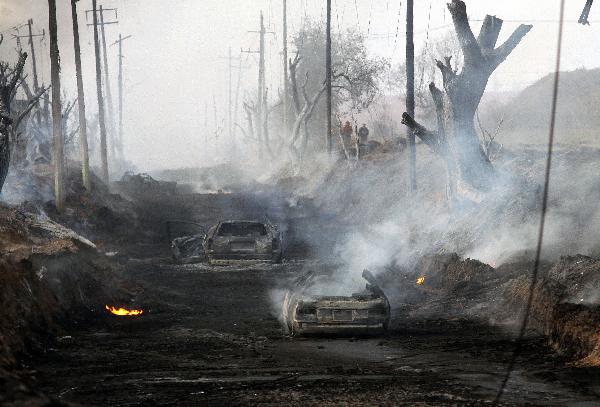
213 336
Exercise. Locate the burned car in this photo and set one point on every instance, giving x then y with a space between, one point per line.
231 242
363 313
242 241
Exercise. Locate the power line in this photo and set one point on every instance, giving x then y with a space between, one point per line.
370 18
357 16
397 28
536 265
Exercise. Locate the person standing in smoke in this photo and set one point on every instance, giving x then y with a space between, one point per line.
363 134
346 132
363 140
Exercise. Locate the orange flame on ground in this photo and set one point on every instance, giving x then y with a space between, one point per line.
123 311
420 280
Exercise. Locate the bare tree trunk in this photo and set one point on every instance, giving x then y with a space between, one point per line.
85 158
456 140
303 113
58 144
9 80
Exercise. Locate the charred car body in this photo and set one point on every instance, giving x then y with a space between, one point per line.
232 242
363 313
242 241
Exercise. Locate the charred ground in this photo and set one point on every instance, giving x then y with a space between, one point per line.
212 335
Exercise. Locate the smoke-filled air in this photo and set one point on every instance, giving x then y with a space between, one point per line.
316 202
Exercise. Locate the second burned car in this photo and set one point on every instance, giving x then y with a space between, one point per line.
242 241
231 242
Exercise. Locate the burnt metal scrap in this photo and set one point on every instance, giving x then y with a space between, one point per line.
363 313
231 242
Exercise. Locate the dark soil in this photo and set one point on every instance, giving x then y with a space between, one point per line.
210 337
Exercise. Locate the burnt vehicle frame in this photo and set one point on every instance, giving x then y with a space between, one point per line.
364 313
228 242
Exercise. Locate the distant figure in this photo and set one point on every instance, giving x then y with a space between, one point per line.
346 132
363 134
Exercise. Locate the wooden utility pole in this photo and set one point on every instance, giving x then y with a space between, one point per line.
237 97
108 92
328 74
119 139
56 109
261 80
36 84
410 91
230 60
206 131
261 83
286 80
85 158
101 116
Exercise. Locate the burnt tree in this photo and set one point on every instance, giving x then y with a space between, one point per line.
456 140
9 82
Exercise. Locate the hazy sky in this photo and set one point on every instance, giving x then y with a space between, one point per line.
173 66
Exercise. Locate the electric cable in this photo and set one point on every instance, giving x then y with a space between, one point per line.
536 265
357 16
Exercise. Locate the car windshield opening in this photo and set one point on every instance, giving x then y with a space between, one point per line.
242 229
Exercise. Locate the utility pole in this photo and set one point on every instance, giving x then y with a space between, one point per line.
328 73
261 79
58 144
101 118
286 84
230 59
119 140
109 101
206 131
261 82
410 91
36 84
85 159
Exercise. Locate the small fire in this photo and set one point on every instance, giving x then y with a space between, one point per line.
124 312
420 280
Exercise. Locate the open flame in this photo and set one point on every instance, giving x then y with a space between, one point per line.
420 281
124 312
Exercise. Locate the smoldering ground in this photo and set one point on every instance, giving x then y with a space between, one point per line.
378 223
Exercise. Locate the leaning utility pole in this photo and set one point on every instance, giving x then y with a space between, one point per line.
58 144
328 73
85 158
410 91
101 118
119 140
286 89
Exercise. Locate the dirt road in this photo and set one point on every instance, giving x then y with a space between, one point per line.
210 337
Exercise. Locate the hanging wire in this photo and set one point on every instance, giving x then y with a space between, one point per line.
397 28
337 15
536 265
357 16
425 46
370 18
